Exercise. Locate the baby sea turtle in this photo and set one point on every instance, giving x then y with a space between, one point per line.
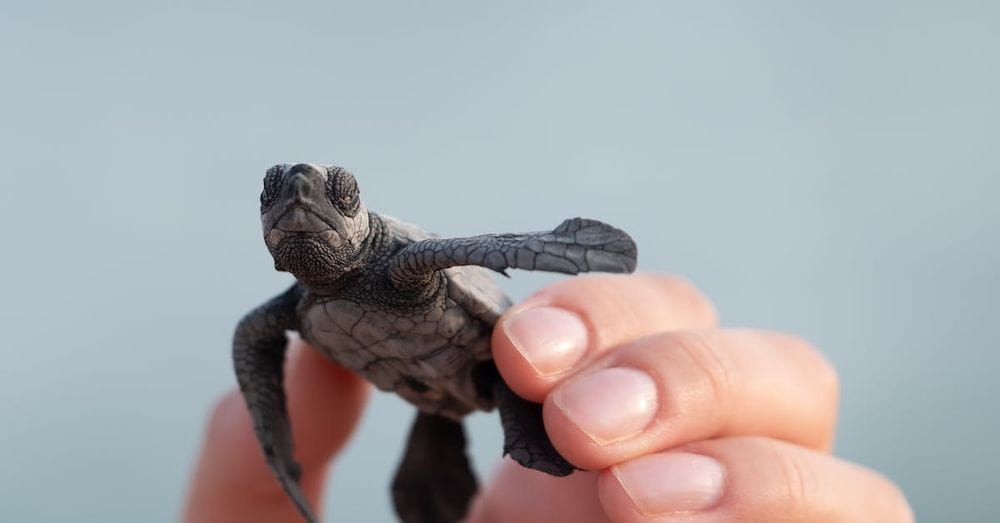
410 312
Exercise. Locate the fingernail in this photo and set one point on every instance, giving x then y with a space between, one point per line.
550 339
609 405
672 482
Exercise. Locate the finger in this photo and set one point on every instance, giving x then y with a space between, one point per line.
516 493
673 388
748 479
231 480
562 327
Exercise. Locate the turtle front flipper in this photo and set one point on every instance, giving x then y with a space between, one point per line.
434 482
576 245
259 355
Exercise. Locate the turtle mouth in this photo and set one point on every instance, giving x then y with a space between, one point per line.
277 236
306 254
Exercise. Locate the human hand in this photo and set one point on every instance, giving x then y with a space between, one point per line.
675 418
736 424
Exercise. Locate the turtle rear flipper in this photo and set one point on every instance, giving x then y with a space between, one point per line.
524 433
434 482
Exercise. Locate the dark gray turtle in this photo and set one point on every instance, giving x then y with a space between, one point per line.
411 313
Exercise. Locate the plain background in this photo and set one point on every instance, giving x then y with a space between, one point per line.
826 170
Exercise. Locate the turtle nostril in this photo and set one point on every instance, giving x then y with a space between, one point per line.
304 168
300 186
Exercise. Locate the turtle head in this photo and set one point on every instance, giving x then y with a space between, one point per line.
315 223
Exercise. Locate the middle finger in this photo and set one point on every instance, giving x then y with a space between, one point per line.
678 387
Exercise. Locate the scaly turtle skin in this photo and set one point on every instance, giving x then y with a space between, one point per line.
412 314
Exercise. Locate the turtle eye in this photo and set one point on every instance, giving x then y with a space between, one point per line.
342 189
272 186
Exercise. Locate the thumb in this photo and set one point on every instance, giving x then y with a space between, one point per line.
231 480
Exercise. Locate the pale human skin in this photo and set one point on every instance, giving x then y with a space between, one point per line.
673 417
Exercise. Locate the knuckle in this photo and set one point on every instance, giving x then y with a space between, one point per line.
796 485
825 376
710 365
685 292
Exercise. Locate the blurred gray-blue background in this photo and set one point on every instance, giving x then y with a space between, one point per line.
827 170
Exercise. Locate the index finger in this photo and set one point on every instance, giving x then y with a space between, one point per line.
564 326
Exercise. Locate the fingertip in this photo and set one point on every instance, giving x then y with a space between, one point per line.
768 479
309 373
325 402
515 493
534 346
614 500
572 443
563 326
